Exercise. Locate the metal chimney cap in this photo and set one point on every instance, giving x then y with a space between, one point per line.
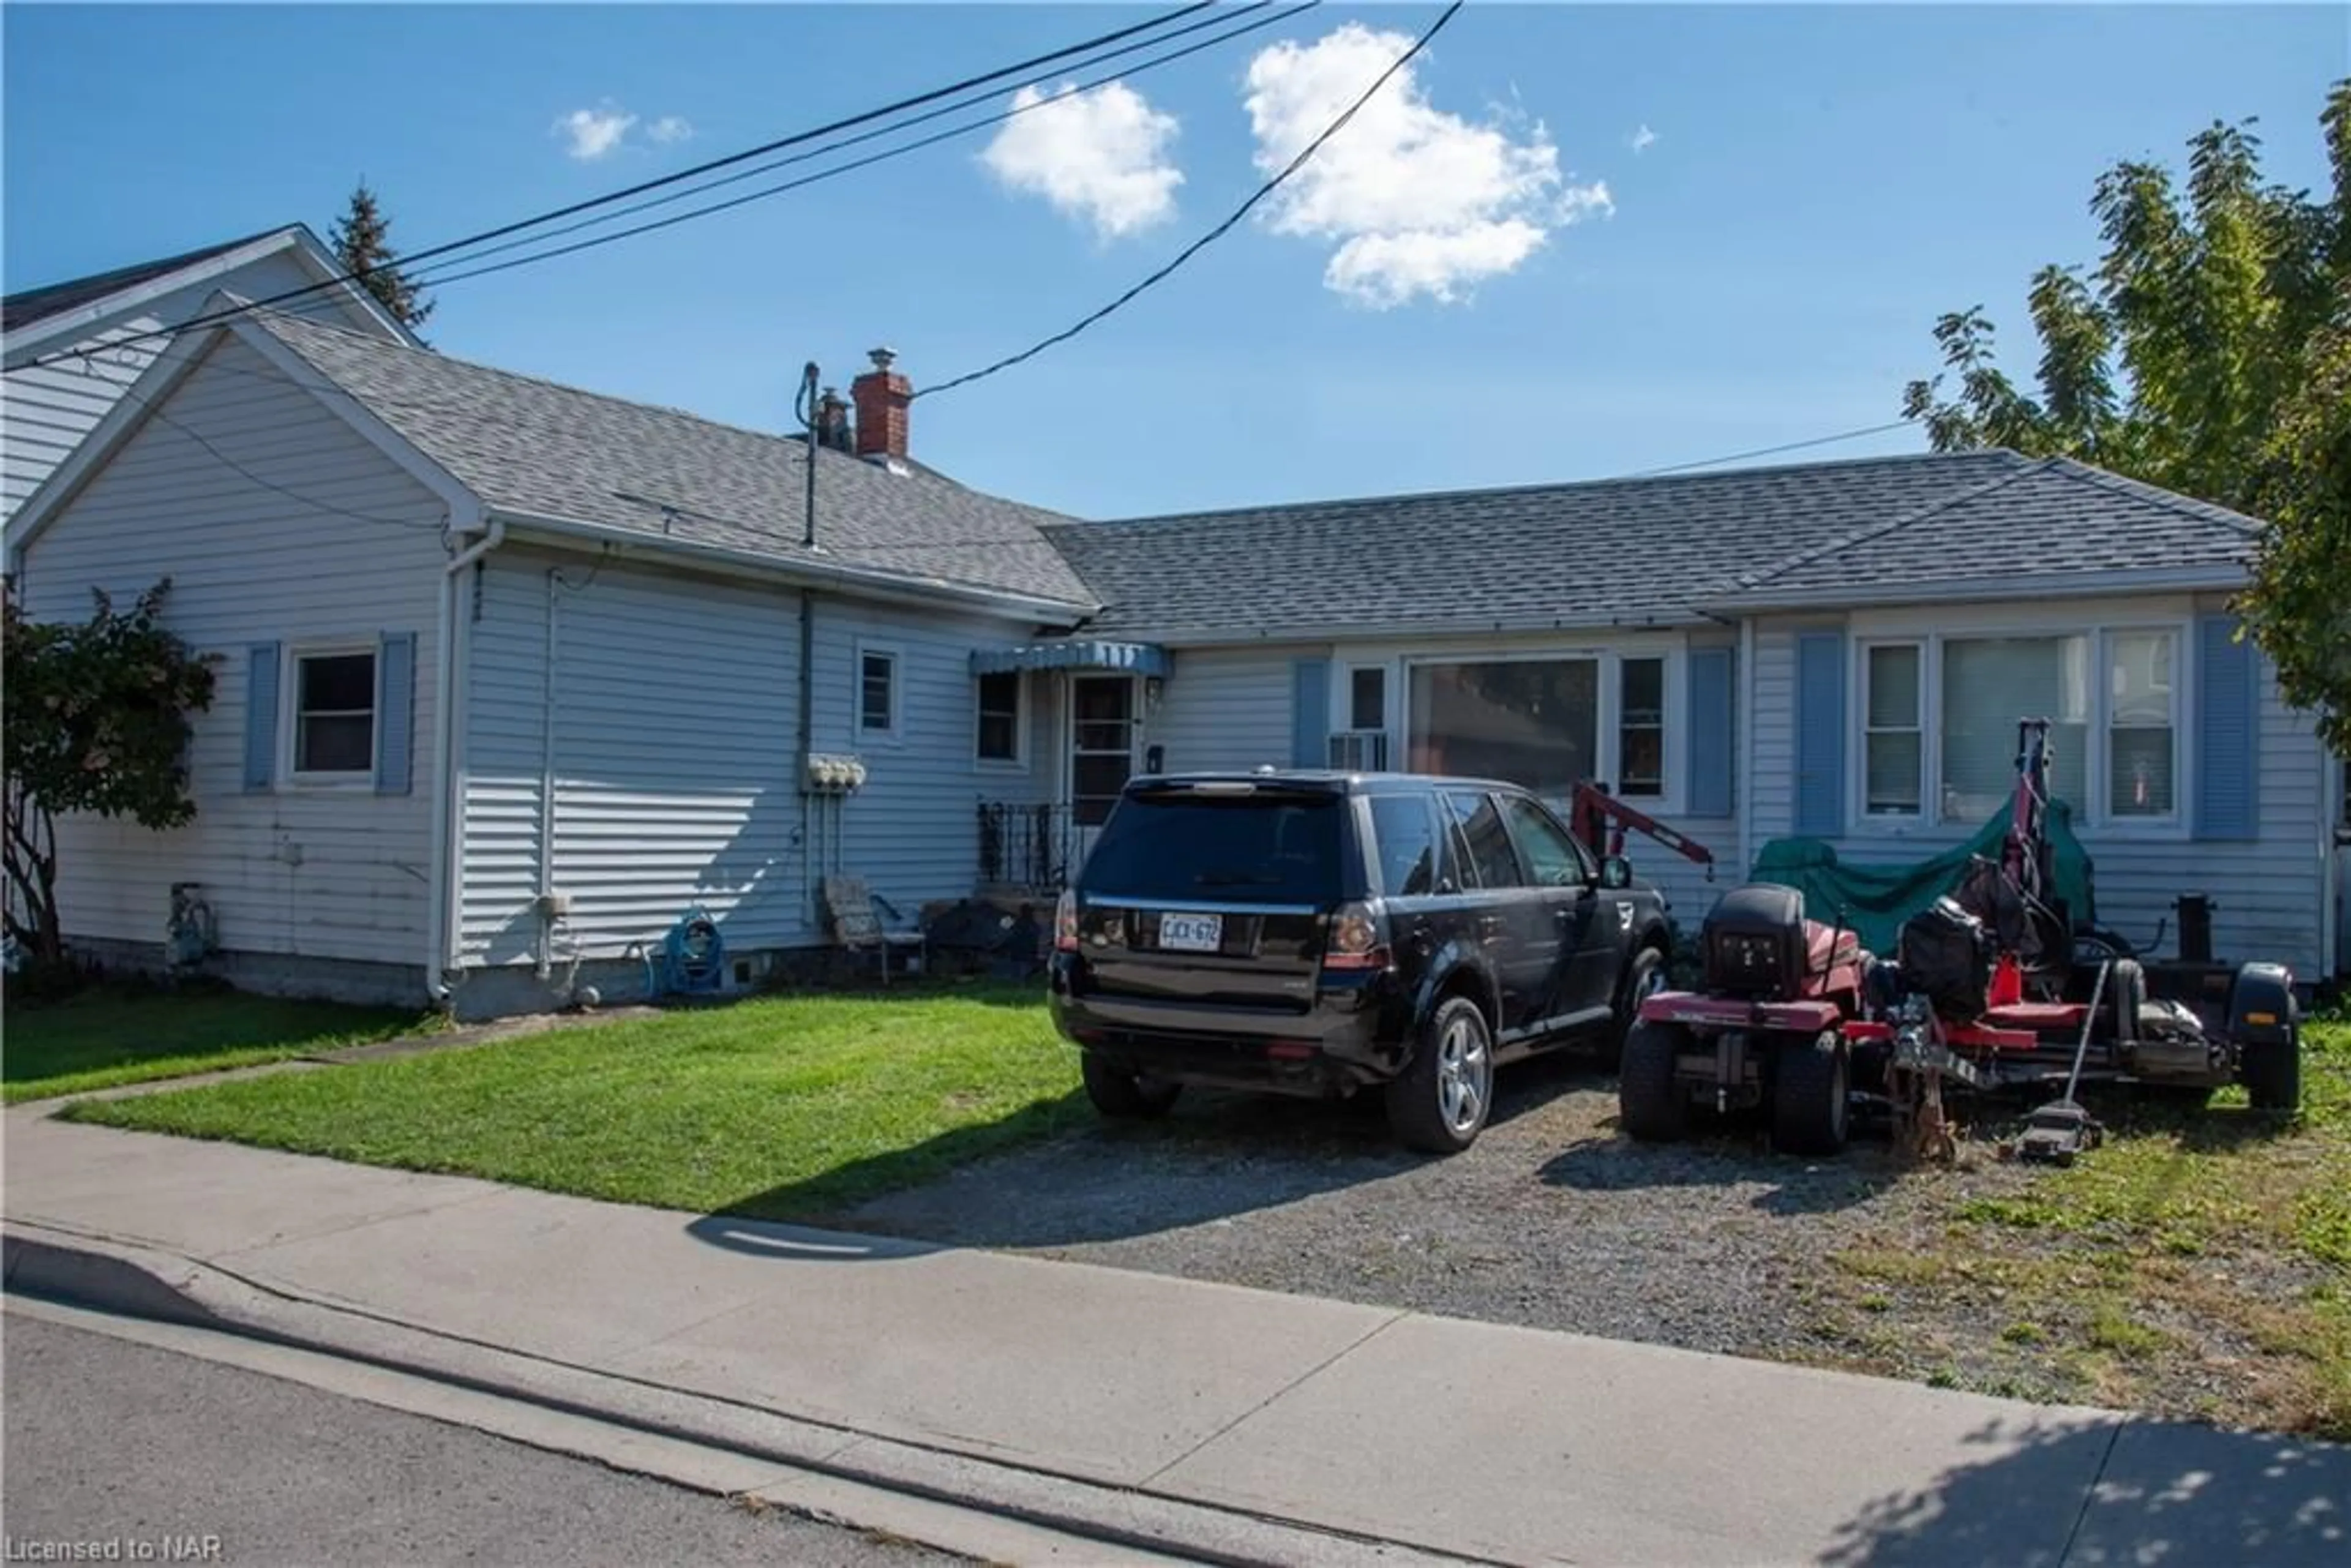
881 357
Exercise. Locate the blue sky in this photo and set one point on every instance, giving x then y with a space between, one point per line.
1815 185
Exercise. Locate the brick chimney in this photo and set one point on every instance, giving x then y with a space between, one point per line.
881 396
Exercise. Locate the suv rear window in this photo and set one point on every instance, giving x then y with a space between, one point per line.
1257 848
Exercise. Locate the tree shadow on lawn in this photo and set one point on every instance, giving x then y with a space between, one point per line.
2079 1491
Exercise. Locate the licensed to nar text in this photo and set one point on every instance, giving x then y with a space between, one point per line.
115 1549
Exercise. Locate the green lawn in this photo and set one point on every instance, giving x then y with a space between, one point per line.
2197 1263
784 1108
108 1036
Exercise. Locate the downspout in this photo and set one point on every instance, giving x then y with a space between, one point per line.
442 888
546 965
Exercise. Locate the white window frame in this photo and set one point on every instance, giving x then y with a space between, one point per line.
1928 755
2091 814
289 715
1018 762
862 651
1607 759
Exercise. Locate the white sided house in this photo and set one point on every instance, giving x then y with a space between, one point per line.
69 351
514 676
1836 651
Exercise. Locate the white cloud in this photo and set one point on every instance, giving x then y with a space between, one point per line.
670 128
594 132
1643 138
1420 202
1101 156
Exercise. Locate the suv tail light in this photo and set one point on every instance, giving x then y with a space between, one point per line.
1356 940
1065 922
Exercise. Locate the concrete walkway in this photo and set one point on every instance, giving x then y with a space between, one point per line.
1254 1426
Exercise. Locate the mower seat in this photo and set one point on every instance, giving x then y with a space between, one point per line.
1826 946
2041 1017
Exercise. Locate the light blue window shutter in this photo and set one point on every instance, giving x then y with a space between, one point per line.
1309 713
2228 732
395 711
1820 734
1709 732
260 717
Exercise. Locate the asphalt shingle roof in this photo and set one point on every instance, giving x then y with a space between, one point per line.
27 305
1628 550
2050 518
1632 552
530 446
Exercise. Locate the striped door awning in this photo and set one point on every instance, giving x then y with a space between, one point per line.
1126 658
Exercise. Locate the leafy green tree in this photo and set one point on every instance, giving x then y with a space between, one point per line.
361 241
2204 352
96 720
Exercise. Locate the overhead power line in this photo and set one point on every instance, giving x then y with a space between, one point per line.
1189 251
1772 451
778 143
467 270
740 175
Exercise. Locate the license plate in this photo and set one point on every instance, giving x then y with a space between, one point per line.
1192 933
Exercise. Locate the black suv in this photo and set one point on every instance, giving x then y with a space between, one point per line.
1314 933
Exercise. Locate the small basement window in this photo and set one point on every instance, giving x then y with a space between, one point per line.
334 715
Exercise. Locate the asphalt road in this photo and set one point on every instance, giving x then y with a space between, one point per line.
113 1441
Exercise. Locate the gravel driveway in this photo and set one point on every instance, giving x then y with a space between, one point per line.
1551 1221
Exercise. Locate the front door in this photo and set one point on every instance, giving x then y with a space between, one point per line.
1101 755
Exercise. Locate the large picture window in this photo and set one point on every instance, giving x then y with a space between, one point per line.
1945 709
1989 684
1534 721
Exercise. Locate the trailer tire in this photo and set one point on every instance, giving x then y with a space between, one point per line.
2271 1071
1649 1103
1811 1112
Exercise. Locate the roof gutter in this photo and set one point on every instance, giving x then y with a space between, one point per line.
870 582
1978 590
1395 631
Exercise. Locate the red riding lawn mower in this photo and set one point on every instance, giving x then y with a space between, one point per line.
1992 989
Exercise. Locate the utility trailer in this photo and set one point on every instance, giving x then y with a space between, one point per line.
1992 989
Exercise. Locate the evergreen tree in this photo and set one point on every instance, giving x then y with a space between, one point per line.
362 246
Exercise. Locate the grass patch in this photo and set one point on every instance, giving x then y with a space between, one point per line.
2196 1263
782 1108
114 1035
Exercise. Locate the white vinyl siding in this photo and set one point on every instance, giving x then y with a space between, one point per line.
676 757
1226 708
46 410
333 874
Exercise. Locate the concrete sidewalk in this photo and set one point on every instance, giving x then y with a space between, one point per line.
1249 1424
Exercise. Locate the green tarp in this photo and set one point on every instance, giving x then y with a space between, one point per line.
1874 900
